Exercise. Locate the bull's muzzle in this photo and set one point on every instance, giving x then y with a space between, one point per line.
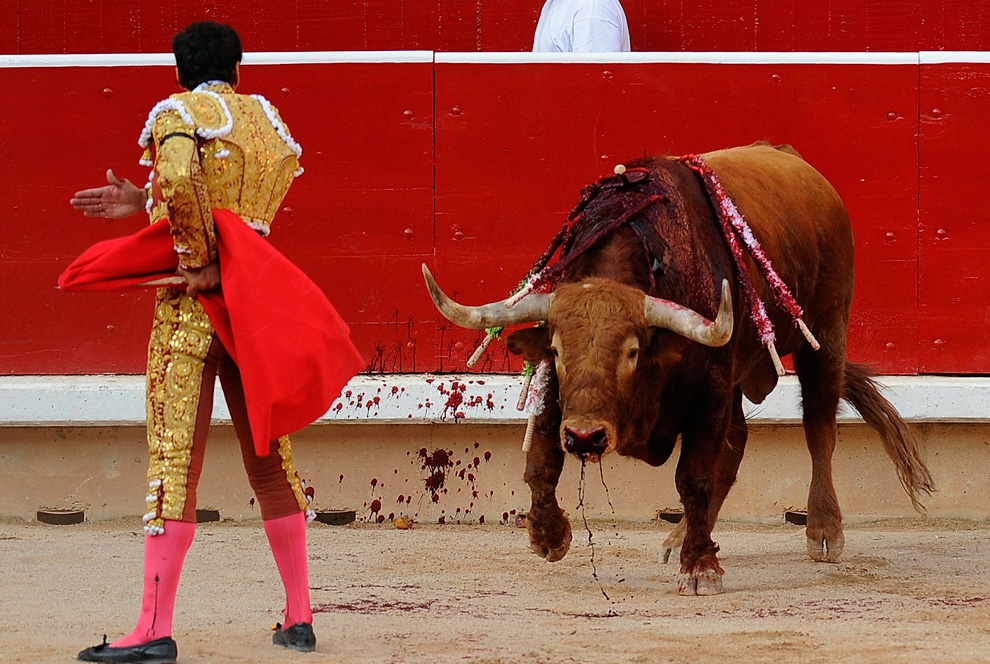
583 443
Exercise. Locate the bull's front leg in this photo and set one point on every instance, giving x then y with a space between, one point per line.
549 529
726 466
701 573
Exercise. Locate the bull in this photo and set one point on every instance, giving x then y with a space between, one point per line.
644 344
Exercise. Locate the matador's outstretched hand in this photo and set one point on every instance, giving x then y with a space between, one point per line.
118 199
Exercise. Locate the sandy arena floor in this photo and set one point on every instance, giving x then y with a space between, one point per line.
906 591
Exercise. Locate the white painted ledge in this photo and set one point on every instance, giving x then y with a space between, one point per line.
513 57
250 58
685 57
954 57
427 399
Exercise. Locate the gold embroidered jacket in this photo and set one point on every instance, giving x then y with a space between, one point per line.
214 148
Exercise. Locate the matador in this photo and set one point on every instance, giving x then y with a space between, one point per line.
209 148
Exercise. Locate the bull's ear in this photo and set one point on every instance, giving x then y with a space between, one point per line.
532 343
666 347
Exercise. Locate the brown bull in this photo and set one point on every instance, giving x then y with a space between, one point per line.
632 371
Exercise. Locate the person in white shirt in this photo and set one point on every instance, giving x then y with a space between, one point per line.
581 26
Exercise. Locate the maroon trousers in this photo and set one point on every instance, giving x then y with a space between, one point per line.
273 477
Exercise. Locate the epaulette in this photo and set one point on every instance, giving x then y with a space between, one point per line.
206 110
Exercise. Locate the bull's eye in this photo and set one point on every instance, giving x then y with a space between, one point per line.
633 353
553 351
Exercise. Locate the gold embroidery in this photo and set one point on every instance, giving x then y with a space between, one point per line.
180 339
183 186
159 211
285 451
248 170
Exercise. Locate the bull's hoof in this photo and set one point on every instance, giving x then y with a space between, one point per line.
552 555
552 542
700 583
825 547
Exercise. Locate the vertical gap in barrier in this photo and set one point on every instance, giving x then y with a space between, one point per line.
435 350
917 234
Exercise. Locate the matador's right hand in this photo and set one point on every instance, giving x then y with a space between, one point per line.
201 278
118 199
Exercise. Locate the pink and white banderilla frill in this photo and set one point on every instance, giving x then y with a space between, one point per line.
734 227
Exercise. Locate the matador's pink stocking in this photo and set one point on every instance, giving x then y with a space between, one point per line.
287 536
163 558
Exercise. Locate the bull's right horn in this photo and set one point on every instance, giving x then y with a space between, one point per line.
691 324
534 307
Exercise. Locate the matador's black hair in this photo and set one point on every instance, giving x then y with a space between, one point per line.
206 51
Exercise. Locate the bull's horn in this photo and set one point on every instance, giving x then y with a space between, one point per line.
532 308
691 324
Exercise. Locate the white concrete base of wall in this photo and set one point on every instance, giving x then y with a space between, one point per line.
85 448
426 399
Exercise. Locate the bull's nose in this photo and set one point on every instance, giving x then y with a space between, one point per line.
580 442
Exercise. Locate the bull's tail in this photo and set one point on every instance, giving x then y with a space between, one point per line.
862 394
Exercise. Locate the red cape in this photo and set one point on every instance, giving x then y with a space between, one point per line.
292 348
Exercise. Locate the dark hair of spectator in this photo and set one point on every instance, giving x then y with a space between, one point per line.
206 51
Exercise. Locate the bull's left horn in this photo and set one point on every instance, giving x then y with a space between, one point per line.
691 324
534 307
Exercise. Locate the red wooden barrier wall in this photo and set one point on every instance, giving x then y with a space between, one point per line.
471 167
954 237
360 220
512 155
114 26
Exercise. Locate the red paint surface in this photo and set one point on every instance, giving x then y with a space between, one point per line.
112 26
954 242
546 130
476 193
369 178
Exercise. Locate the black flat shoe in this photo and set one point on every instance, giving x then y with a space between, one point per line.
298 637
159 651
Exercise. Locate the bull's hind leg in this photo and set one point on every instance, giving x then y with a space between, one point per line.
726 467
549 529
820 373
